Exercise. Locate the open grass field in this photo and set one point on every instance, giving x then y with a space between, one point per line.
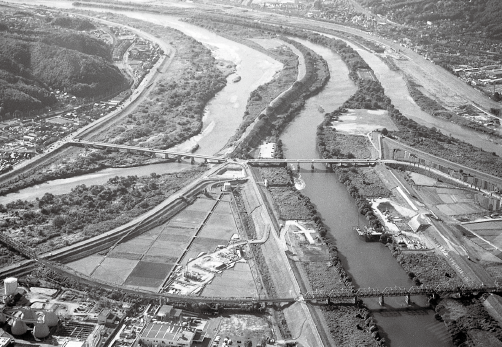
234 282
136 246
360 122
151 270
114 270
201 204
86 265
190 217
171 249
144 282
455 209
219 226
171 229
223 207
491 231
153 233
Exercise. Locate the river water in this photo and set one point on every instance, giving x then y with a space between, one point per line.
369 264
397 90
222 115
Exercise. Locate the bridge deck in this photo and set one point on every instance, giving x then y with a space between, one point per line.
148 150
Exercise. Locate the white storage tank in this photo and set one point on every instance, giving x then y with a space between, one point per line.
10 285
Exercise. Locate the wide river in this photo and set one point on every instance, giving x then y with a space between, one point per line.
222 115
369 264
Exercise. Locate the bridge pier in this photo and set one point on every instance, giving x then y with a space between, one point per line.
381 300
298 167
192 160
178 158
355 299
407 299
312 167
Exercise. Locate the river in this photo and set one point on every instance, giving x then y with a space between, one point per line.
397 90
222 115
369 264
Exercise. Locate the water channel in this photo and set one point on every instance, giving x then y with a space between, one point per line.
223 114
369 264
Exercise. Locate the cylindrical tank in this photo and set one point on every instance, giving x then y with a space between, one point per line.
51 319
18 328
3 318
10 285
41 330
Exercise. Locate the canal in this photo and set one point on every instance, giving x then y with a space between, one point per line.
369 264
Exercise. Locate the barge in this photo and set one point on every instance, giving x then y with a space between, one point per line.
367 234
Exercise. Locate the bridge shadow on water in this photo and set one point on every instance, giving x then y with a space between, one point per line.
412 310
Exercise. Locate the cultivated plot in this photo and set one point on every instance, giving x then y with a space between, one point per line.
234 282
114 270
86 265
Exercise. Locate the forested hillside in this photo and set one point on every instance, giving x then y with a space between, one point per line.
33 61
474 15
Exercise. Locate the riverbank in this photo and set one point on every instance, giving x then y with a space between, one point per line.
73 162
318 262
55 221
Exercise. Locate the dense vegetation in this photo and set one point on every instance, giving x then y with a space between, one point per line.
174 108
432 141
468 322
54 221
33 61
63 167
475 15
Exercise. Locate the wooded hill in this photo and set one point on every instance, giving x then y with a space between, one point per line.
477 15
33 61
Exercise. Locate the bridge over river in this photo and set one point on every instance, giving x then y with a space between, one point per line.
137 149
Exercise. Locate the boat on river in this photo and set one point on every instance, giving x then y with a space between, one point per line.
320 109
236 79
367 234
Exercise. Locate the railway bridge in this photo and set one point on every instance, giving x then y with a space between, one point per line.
327 162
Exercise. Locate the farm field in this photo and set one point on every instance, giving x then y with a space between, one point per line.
491 231
452 201
147 260
234 282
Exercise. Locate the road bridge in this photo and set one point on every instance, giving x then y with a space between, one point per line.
137 149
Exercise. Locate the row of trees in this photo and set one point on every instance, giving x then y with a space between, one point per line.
88 211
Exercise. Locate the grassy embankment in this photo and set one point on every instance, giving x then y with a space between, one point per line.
54 221
435 109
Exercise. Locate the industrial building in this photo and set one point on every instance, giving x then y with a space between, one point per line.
164 333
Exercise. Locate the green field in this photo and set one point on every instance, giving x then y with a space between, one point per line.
234 282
